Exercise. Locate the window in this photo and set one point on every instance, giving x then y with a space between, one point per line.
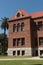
18 27
41 41
23 52
14 42
14 52
22 41
18 52
41 52
22 27
40 25
18 14
18 41
14 28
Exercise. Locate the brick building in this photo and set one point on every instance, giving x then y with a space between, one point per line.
26 34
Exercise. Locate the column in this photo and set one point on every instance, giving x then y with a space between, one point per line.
38 52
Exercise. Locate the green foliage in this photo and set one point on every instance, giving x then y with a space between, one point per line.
4 23
3 46
3 38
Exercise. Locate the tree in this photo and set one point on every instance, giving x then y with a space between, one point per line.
4 26
2 43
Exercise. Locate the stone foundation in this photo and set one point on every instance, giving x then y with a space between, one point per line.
39 50
27 51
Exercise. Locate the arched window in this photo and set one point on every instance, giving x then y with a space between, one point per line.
14 28
22 27
18 14
18 27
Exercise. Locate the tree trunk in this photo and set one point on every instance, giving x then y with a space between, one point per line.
4 41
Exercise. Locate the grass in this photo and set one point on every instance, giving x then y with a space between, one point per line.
15 56
41 56
22 62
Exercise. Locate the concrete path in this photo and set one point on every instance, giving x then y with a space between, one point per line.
33 58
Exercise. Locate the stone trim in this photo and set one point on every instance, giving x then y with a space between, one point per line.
39 49
27 51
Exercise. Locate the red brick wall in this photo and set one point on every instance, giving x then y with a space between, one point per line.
26 33
39 33
29 34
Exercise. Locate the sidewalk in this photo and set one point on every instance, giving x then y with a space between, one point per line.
33 58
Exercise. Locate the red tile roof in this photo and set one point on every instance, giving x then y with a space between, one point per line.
36 14
23 12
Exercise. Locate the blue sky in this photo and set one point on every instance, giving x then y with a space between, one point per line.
9 7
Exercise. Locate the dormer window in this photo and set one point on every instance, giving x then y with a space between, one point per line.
18 14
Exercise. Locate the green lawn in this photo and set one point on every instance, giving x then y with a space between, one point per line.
15 56
22 62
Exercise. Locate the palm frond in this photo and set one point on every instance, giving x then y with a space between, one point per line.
4 23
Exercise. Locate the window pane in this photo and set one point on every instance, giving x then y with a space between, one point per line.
22 41
14 28
18 52
18 41
23 52
14 52
22 27
14 42
18 27
41 40
18 14
40 25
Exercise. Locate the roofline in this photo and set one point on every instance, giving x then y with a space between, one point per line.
24 17
37 17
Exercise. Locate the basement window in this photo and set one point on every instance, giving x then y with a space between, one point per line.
23 52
